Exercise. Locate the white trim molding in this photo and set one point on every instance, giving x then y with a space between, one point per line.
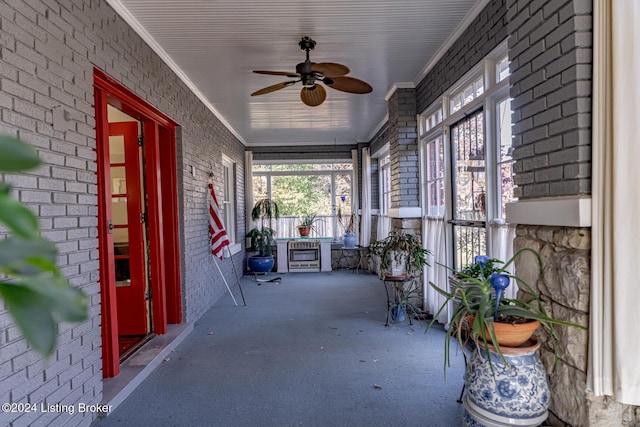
398 85
570 211
406 212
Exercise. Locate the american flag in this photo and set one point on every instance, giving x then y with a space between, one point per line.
218 238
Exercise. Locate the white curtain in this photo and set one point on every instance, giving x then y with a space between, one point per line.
614 316
365 224
248 188
435 241
501 238
383 227
355 198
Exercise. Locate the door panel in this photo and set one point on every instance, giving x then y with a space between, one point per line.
128 232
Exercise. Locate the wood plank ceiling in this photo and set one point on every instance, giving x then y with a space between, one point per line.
215 45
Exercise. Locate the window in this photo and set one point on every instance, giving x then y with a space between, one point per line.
504 157
385 185
432 120
468 163
467 94
229 197
305 188
469 189
502 69
434 183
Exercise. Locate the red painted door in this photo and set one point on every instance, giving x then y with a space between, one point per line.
129 235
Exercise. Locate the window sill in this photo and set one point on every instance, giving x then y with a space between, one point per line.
234 248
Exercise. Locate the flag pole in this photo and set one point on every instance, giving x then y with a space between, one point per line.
218 238
236 274
225 281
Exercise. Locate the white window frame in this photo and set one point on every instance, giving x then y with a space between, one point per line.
485 96
337 232
228 203
385 184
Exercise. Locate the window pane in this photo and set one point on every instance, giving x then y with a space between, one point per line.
116 149
259 187
479 85
435 177
119 210
504 129
469 242
502 69
469 179
286 167
299 195
118 180
506 187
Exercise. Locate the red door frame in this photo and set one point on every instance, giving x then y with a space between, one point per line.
162 213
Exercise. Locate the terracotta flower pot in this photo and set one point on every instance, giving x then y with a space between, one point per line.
304 230
514 334
511 334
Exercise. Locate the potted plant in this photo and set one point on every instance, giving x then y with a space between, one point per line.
401 254
265 211
348 225
307 224
401 259
503 379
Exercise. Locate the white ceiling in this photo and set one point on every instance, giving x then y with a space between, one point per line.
215 44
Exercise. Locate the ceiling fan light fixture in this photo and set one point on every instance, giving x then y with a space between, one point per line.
330 73
313 96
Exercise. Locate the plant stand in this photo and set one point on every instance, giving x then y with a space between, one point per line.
397 286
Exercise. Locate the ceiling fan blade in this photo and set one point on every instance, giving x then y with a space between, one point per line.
348 84
273 88
277 73
313 96
330 69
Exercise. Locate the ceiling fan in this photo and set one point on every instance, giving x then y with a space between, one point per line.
309 73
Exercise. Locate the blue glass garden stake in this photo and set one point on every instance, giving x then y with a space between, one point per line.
500 282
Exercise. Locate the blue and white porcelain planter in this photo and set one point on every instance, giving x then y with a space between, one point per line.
513 395
349 240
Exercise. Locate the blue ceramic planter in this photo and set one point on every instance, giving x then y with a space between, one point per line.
509 395
398 313
260 264
349 241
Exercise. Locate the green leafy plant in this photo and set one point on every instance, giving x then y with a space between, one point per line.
309 221
477 307
404 296
399 246
34 290
347 222
265 211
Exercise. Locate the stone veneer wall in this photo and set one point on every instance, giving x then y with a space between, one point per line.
565 288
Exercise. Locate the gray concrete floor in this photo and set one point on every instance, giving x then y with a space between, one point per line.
310 351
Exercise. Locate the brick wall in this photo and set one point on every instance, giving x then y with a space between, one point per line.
550 53
47 54
403 149
483 35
